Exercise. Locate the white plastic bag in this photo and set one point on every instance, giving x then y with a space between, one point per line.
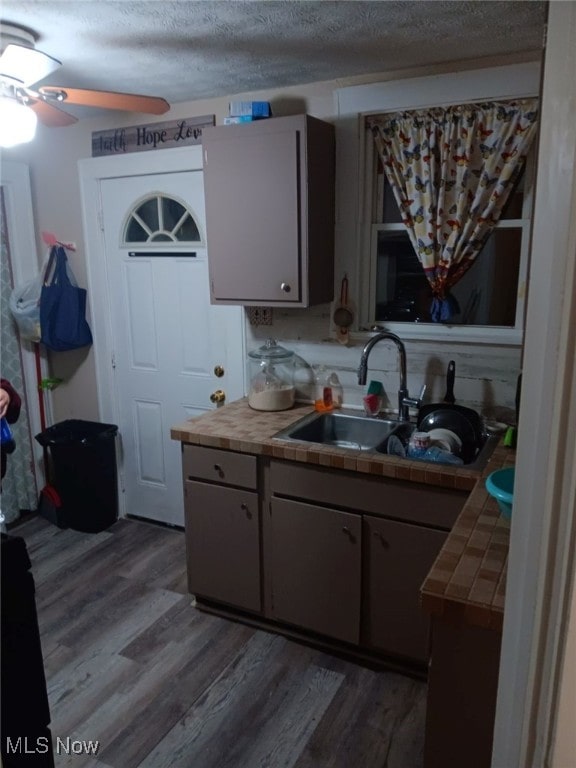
24 305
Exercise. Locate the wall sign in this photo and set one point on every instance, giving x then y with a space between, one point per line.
140 138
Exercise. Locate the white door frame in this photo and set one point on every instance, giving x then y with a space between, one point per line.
15 179
92 171
532 715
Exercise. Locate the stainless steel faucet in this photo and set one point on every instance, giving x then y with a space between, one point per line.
404 401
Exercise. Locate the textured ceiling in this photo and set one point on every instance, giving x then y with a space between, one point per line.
190 50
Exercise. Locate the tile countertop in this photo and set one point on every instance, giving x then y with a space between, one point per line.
467 581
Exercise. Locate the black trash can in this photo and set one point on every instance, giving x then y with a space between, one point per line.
83 472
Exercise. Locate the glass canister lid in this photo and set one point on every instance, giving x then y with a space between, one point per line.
271 351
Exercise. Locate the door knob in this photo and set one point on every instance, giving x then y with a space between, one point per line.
218 396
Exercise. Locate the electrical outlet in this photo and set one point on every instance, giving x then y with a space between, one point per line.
260 315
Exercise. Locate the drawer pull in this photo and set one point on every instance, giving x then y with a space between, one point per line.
245 508
348 533
381 539
218 468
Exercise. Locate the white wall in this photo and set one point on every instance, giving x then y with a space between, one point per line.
485 376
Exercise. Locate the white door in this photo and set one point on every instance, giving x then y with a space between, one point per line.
168 342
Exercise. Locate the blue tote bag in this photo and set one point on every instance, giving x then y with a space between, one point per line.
63 322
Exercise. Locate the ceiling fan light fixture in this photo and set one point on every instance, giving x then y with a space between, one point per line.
23 66
17 122
20 62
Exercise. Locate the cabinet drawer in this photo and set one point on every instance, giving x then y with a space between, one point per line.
222 467
398 499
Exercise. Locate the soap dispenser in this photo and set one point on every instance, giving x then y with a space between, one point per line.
328 393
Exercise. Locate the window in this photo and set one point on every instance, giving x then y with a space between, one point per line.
356 176
161 219
488 293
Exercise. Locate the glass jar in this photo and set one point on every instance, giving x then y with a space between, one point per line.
271 378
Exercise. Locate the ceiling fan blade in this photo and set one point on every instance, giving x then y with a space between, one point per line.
131 102
25 66
50 115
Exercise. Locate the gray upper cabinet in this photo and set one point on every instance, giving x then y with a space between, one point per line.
269 188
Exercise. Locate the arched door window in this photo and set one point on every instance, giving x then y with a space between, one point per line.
161 219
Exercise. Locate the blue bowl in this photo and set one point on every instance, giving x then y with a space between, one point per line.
500 485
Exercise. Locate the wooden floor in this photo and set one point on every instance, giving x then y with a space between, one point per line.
132 664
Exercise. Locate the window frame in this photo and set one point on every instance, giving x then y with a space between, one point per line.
352 105
151 244
368 256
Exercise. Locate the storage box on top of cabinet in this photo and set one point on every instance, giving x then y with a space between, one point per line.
269 188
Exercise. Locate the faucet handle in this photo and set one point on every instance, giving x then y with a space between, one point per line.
414 402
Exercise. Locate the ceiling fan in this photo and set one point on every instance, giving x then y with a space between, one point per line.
21 66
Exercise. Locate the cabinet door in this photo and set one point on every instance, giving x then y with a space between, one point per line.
461 701
315 568
253 215
223 544
398 559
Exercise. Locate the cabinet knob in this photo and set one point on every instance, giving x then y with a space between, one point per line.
285 287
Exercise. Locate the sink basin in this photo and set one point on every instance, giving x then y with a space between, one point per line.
361 433
342 430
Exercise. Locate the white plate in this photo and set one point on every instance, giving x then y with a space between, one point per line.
449 439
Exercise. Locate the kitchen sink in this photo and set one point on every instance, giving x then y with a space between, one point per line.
362 433
339 429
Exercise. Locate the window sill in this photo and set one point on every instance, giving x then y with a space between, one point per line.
470 334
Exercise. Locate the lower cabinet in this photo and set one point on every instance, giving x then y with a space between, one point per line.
462 690
397 558
332 552
315 568
223 544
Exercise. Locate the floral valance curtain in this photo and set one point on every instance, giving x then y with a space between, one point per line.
451 170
